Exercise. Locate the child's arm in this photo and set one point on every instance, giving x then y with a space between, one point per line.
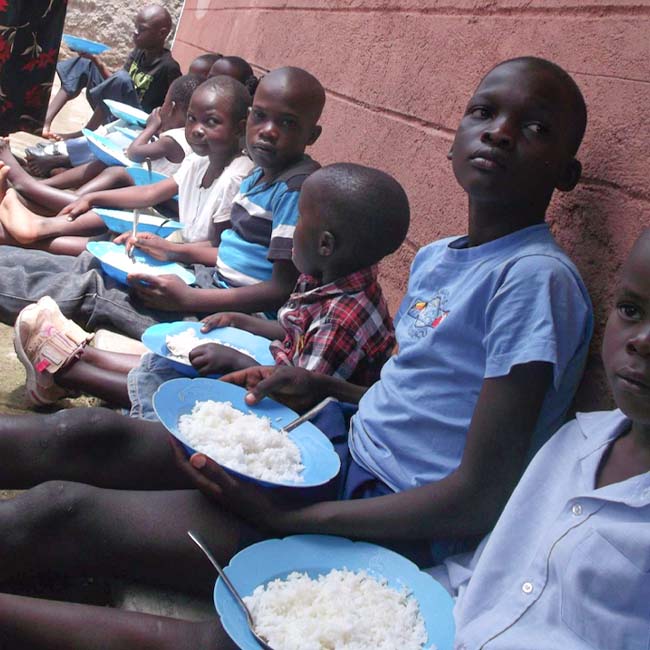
465 503
204 252
143 196
269 329
165 147
170 293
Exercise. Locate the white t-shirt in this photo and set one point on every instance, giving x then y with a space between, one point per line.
167 167
200 208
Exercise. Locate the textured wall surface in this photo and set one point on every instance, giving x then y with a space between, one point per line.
399 72
110 22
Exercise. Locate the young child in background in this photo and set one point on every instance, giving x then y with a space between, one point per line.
203 63
336 321
166 152
487 370
143 81
240 69
206 182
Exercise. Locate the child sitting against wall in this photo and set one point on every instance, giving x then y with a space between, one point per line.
336 321
206 182
162 140
492 338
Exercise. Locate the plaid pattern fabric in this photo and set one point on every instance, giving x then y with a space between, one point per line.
342 329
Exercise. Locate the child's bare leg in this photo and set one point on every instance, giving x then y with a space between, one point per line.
135 535
109 178
76 176
48 625
30 187
26 226
99 373
56 104
89 445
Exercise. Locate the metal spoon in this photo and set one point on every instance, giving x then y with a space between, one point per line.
136 218
249 619
147 162
309 414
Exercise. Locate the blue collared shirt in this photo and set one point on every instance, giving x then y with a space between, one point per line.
567 566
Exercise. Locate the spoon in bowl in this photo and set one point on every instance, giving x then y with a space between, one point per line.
249 619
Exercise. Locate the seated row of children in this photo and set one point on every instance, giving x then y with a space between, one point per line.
491 341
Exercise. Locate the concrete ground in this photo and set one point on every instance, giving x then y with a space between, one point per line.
12 401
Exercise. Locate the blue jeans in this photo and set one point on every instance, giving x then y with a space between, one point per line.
82 291
79 73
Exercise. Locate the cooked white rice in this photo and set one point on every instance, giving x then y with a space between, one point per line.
243 442
124 263
342 610
180 345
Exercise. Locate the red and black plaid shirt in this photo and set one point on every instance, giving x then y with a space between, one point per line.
342 329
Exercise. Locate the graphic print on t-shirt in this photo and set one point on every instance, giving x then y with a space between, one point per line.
428 314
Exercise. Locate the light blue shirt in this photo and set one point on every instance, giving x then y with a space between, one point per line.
470 314
567 566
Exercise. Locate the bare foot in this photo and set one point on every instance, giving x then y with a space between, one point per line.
4 171
17 221
43 165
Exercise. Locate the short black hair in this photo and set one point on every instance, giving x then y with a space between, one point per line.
238 97
579 106
243 72
181 89
366 209
208 58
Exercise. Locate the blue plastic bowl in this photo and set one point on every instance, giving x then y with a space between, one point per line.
84 45
318 555
101 248
178 397
122 221
126 112
154 338
128 132
106 150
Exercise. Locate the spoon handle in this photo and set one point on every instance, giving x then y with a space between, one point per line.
201 544
309 414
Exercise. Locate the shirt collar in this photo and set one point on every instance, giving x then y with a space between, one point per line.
308 285
599 429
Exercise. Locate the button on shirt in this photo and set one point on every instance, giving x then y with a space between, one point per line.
342 328
567 565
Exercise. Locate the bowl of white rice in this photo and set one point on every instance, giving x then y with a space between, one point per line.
116 263
175 340
211 416
320 592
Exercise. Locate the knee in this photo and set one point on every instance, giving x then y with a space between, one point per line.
61 500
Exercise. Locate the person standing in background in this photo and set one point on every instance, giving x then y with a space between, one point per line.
30 36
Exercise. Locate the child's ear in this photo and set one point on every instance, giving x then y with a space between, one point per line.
315 134
326 244
569 179
241 127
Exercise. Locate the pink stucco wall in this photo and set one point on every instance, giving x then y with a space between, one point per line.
398 73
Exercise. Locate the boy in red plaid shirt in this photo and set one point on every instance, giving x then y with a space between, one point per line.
336 321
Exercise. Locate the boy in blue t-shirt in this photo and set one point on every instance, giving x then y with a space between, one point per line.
515 145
